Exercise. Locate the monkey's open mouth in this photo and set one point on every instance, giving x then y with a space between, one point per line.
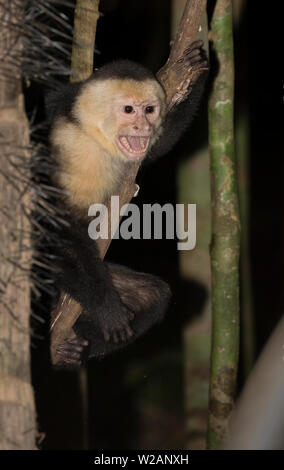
134 145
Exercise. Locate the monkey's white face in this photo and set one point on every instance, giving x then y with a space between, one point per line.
122 116
136 123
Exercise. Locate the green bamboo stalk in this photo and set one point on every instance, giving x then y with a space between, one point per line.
225 231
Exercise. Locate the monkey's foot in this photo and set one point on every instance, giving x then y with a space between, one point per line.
70 352
114 324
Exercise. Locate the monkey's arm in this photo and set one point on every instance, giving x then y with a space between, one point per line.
187 101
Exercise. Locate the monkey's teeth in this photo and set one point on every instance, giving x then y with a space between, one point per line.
135 144
124 141
143 142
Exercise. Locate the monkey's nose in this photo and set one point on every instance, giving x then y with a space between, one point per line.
142 126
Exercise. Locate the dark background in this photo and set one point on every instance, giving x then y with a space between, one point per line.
122 383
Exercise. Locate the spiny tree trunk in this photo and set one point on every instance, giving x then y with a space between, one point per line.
17 409
225 231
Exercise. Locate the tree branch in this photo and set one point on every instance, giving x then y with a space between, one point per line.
85 27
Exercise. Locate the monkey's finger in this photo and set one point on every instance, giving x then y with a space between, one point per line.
203 65
194 60
194 53
194 45
186 58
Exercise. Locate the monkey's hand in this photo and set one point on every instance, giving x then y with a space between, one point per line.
113 319
195 61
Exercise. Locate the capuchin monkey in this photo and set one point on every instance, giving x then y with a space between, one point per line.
99 127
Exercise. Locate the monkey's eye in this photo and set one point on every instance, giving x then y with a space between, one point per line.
149 109
128 109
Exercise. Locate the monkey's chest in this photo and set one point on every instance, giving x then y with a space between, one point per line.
87 182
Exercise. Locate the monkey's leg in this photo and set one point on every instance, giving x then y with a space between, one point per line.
145 295
86 278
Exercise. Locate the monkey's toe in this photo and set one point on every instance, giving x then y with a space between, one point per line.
77 343
70 352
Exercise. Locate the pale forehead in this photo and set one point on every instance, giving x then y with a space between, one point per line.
139 92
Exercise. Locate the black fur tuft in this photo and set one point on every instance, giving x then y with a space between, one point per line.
60 102
124 70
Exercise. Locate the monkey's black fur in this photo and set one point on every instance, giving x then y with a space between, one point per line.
115 294
144 294
119 304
